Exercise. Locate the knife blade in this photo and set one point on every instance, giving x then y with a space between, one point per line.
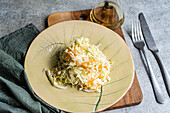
153 48
147 34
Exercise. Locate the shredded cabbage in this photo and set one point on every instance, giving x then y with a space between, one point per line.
82 65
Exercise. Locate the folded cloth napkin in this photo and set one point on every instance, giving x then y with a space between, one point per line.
16 95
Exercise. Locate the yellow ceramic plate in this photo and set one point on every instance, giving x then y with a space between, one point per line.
41 54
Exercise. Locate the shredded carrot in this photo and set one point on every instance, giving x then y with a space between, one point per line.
75 47
69 50
78 52
95 61
76 62
106 67
66 57
72 52
91 58
85 62
88 72
98 84
82 85
99 76
90 68
91 81
84 66
100 68
110 61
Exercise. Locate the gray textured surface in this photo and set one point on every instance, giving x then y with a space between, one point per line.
18 13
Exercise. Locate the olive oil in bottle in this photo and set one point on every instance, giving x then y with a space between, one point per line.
108 14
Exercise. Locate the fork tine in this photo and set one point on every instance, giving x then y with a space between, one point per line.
136 38
133 38
140 31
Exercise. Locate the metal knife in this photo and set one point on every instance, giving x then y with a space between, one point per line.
153 48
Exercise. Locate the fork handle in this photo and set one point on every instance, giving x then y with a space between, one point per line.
155 85
164 71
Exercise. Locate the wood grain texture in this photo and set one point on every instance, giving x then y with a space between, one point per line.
134 95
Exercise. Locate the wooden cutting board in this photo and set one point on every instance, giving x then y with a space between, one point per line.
134 95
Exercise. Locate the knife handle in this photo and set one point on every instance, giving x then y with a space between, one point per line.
164 71
157 90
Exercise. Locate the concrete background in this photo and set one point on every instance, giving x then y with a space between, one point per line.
15 14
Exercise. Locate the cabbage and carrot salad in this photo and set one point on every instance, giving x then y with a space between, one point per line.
82 65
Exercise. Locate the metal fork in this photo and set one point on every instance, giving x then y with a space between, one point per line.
138 42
